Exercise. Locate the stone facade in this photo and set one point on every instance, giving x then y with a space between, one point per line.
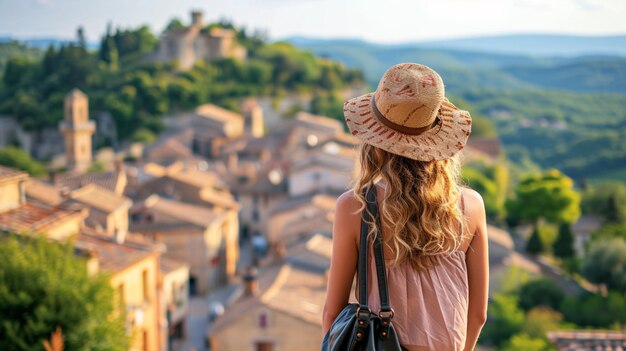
190 44
77 131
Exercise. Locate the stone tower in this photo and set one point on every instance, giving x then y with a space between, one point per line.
77 130
197 18
253 118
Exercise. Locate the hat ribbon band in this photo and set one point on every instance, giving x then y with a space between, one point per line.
399 127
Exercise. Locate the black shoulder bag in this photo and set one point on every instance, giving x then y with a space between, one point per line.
357 327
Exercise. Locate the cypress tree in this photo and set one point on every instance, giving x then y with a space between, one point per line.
534 245
564 244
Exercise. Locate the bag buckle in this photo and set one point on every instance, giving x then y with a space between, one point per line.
363 314
385 322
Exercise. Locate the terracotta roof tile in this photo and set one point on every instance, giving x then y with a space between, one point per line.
193 214
108 180
35 217
43 192
217 113
112 256
592 340
170 265
99 198
10 174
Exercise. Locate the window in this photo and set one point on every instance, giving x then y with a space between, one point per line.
264 346
144 280
146 341
120 296
135 217
263 319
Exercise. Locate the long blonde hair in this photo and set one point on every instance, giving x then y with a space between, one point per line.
421 201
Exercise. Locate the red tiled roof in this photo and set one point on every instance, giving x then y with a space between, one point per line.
9 174
107 180
112 256
34 217
592 340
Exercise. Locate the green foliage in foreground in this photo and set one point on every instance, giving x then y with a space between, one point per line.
42 286
15 157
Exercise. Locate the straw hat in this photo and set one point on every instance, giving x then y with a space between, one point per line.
409 115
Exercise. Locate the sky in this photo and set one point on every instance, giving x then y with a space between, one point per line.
383 21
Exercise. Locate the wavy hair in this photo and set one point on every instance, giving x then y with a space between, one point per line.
421 200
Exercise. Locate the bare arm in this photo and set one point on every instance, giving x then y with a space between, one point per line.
344 258
477 260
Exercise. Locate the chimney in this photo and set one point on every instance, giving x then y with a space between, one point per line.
251 282
197 18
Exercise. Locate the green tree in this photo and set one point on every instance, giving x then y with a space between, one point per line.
540 292
477 178
605 263
42 286
483 127
564 244
534 245
15 157
610 230
525 342
607 200
540 320
595 310
504 319
549 195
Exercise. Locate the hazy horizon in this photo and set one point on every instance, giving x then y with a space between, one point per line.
397 21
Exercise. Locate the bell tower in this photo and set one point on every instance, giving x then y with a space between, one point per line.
77 130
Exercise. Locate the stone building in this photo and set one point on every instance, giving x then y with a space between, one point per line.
133 270
283 313
205 239
175 302
196 42
77 131
20 215
107 210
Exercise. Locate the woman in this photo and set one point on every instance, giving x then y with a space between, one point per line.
433 229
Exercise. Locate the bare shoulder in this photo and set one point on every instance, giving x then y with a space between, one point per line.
474 204
347 216
347 204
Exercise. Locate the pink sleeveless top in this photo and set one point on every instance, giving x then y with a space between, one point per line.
430 306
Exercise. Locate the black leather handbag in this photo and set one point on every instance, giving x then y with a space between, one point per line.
357 327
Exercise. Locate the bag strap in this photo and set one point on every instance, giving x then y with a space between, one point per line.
363 312
386 312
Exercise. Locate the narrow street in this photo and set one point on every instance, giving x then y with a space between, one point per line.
199 306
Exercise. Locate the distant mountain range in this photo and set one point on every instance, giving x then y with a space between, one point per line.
536 45
585 64
43 43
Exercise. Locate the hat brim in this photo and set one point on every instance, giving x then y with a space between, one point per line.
438 143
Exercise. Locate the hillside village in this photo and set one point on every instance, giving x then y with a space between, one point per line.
218 201
218 235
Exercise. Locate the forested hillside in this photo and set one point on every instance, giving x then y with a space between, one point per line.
118 78
562 112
